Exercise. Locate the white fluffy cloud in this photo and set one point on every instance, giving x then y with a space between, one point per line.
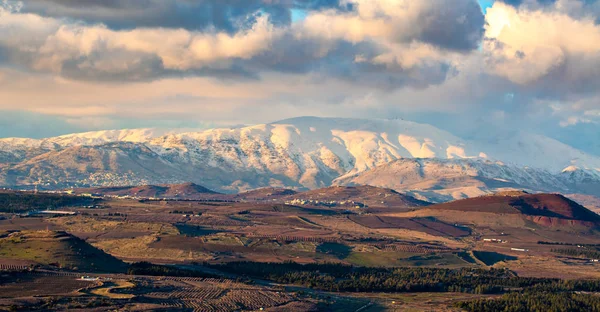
455 26
47 44
532 47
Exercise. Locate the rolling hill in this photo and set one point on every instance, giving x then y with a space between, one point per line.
548 210
52 248
345 195
362 195
172 191
265 194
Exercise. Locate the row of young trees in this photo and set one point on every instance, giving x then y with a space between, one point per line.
567 244
147 268
535 301
578 252
23 202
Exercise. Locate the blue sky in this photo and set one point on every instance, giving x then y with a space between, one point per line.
298 15
485 4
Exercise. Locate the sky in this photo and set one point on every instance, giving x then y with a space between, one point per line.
472 67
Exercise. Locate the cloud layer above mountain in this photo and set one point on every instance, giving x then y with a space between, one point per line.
92 64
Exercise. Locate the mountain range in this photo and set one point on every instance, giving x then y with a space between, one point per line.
304 153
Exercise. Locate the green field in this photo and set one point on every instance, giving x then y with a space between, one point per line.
58 249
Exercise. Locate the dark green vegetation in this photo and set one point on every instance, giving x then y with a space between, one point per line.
340 251
338 277
194 230
147 268
491 258
23 202
578 252
535 302
567 244
466 257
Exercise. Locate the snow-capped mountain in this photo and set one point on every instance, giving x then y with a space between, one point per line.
305 152
440 180
20 148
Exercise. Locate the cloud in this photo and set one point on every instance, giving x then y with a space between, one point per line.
224 15
458 26
97 52
388 44
549 52
531 65
199 15
577 9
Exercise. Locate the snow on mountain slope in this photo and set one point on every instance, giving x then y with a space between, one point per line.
21 148
312 151
306 152
108 136
581 180
446 179
108 164
88 138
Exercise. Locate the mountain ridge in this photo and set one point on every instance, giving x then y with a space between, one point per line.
298 153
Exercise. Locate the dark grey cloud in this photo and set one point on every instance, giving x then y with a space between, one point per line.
116 66
579 74
457 25
303 56
148 67
223 15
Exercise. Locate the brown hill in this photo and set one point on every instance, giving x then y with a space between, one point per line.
171 191
543 209
267 193
367 195
590 202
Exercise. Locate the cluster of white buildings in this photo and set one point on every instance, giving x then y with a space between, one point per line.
519 249
330 203
494 240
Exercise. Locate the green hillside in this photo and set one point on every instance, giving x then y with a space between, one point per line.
60 249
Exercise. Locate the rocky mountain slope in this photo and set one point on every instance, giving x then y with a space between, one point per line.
441 180
302 153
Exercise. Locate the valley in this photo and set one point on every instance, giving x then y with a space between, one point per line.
195 238
300 155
